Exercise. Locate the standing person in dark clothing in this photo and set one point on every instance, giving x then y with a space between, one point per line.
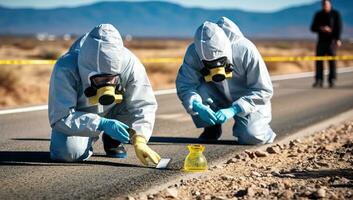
327 23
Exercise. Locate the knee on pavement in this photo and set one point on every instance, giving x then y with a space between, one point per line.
250 135
74 154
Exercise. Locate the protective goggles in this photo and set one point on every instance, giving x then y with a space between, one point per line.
217 70
105 89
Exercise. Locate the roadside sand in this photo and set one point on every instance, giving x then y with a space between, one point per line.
319 167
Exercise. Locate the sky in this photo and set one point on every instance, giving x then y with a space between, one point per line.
248 5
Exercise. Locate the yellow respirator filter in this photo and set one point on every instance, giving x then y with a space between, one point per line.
218 74
105 96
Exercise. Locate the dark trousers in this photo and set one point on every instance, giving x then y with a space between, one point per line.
325 49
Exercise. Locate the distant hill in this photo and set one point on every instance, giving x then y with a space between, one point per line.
160 19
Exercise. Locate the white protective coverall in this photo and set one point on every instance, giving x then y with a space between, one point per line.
250 87
73 120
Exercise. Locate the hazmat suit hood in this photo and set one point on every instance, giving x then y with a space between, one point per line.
230 29
211 42
101 52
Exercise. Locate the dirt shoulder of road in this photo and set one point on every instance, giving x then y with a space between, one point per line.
317 167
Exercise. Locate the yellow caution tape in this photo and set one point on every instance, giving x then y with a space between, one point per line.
27 62
179 60
306 58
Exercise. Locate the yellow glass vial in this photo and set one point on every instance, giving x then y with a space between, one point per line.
195 161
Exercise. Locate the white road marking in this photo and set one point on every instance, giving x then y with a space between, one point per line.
23 110
307 74
173 91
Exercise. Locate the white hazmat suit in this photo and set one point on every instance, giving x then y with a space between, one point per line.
250 87
73 120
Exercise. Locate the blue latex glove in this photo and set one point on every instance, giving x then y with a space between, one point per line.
224 115
205 113
115 129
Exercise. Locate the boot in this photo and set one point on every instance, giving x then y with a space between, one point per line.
318 83
113 148
332 83
211 133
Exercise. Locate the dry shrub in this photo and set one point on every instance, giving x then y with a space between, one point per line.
48 54
163 68
9 78
156 44
28 44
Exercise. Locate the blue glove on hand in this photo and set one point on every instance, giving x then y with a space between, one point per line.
205 113
225 114
115 129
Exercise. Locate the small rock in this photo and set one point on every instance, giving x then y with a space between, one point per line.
322 164
263 192
142 197
332 196
241 178
336 138
219 198
276 173
251 191
280 146
253 165
273 150
208 197
250 154
253 173
287 194
316 166
288 175
260 153
298 141
171 193
309 169
307 193
320 193
233 160
150 196
296 169
130 198
196 193
227 177
286 184
218 167
240 193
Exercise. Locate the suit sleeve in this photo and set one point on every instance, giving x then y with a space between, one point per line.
188 79
141 102
258 81
63 115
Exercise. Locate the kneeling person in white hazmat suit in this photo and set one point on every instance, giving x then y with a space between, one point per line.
97 87
223 76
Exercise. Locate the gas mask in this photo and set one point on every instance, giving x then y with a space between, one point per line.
217 70
104 89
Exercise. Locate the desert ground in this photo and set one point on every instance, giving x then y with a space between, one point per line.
22 85
317 167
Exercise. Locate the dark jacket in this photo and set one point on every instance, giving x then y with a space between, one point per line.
331 19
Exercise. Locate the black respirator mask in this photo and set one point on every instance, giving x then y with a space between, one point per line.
105 89
217 70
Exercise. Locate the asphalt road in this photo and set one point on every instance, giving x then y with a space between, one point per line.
26 171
